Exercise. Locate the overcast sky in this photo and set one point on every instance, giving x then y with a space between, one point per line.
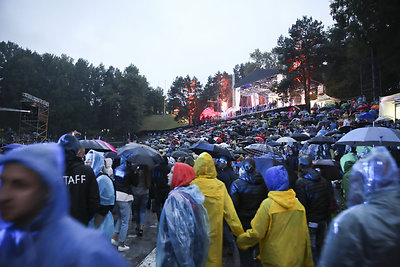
164 39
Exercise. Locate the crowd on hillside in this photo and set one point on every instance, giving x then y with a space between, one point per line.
273 183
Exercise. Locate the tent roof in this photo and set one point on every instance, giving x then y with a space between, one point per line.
257 75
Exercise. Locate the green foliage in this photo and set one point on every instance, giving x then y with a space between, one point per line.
303 53
184 95
81 96
370 40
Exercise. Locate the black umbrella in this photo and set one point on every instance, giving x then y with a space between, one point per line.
178 154
333 132
140 154
319 140
346 129
214 150
95 145
300 137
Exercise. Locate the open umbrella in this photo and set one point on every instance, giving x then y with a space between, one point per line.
140 154
375 107
371 136
108 145
346 129
214 150
366 116
95 145
319 140
286 139
257 149
178 154
333 132
345 105
300 136
384 118
363 107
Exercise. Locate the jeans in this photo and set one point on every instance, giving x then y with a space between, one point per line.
139 208
123 210
317 236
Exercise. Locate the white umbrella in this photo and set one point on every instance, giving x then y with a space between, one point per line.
384 118
286 139
371 136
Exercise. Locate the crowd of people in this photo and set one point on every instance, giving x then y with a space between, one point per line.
262 184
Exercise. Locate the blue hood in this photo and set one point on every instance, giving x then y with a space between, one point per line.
277 178
48 161
70 144
98 161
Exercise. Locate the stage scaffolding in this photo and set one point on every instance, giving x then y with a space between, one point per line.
34 123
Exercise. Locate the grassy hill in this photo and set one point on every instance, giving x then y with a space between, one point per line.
160 122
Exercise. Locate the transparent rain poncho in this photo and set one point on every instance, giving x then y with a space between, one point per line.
184 229
367 234
376 172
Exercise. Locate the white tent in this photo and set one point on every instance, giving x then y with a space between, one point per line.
324 99
390 106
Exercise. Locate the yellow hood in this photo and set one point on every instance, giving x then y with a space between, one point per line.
204 166
285 199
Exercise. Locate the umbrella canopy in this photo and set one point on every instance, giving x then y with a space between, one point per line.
286 139
214 150
345 105
384 118
265 162
346 129
333 132
363 106
140 154
178 154
371 136
375 107
95 145
257 149
300 136
108 145
366 116
319 140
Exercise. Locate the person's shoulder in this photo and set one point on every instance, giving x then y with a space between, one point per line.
87 245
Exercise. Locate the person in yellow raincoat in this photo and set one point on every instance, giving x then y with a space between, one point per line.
218 204
280 225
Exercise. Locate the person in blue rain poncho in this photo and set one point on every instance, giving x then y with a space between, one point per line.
38 230
183 235
103 219
367 234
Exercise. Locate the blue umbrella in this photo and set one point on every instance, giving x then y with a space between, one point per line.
366 116
321 115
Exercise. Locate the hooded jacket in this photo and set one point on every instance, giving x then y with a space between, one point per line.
107 194
312 190
218 204
367 234
80 181
183 236
280 225
53 238
247 193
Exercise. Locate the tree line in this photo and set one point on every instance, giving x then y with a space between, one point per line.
81 96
